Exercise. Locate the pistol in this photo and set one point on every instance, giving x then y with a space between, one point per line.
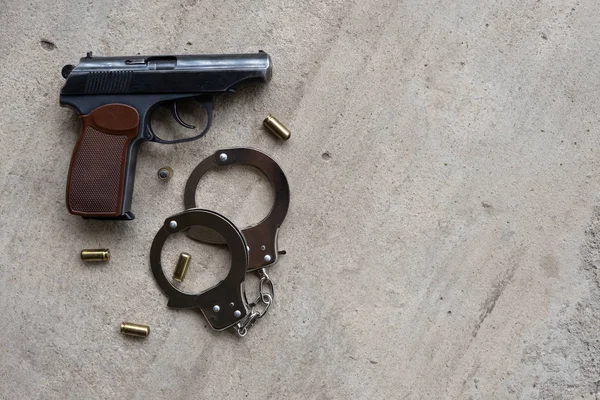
115 97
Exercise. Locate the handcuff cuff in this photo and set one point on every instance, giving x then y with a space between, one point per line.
253 249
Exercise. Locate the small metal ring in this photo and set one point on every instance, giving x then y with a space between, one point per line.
268 296
267 304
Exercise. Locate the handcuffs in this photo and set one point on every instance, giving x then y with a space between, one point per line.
252 249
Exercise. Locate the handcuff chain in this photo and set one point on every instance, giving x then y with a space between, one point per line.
260 306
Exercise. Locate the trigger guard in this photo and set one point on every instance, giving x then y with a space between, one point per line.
208 107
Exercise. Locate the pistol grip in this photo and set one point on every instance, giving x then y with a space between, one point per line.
100 180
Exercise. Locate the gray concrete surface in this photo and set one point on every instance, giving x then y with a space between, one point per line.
444 232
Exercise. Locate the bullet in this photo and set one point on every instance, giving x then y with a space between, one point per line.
181 267
127 328
93 255
276 127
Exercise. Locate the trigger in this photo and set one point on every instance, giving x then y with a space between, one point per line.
178 118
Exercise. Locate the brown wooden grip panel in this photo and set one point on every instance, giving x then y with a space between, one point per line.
96 181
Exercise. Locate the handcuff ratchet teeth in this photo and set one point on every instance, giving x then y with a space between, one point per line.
262 237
